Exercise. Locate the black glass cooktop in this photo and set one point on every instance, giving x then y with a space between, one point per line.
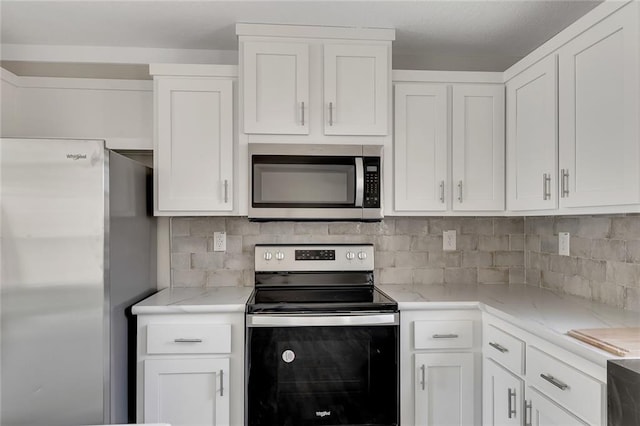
321 299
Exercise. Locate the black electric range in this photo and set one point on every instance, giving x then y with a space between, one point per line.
321 341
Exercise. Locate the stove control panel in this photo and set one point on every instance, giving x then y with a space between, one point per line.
314 257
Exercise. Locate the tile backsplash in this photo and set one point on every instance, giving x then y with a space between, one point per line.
408 250
604 261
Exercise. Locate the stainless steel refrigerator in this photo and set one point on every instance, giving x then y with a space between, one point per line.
78 246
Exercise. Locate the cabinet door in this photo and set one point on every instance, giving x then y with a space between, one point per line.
599 76
444 389
503 396
194 124
276 88
543 412
420 147
478 147
186 391
532 124
356 89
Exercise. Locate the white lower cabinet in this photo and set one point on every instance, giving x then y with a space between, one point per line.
444 388
440 367
562 388
186 391
502 396
190 369
543 412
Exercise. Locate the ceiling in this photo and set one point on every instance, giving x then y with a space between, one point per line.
486 35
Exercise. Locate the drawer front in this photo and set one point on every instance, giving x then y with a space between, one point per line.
504 348
442 334
188 338
570 388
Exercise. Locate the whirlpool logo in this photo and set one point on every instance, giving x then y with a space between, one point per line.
75 157
323 413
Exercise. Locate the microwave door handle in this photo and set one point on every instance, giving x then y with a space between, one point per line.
359 182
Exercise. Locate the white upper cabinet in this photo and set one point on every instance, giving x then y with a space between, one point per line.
276 88
194 145
599 77
356 89
316 81
478 147
532 133
420 147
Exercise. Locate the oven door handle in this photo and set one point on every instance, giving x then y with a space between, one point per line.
314 321
359 182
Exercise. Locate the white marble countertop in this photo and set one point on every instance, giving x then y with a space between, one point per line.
195 300
542 312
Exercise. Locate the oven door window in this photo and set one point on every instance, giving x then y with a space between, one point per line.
303 181
322 376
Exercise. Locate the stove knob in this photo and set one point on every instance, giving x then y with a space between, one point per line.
267 256
362 255
279 255
351 255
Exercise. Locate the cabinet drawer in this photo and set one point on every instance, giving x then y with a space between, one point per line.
569 387
188 338
442 334
504 348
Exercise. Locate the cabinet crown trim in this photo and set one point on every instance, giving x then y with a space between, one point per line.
312 31
193 70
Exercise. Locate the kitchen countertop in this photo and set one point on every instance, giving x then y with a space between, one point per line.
195 300
542 312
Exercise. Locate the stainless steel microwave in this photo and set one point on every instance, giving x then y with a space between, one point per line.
315 182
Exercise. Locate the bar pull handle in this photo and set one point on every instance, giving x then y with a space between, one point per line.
460 191
511 395
499 347
359 182
221 382
226 191
564 183
442 191
181 340
555 382
330 113
423 381
528 408
445 336
302 113
546 186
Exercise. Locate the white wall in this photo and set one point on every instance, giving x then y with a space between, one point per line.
120 111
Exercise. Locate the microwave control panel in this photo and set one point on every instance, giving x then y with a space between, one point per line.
371 182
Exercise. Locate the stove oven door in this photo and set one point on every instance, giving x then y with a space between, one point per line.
322 373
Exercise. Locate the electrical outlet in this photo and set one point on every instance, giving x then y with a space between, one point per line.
563 243
219 241
449 240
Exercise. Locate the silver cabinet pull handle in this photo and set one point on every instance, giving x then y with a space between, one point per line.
564 183
423 380
330 113
528 405
460 191
442 191
181 340
498 347
555 382
511 394
445 336
546 186
221 382
302 111
226 191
